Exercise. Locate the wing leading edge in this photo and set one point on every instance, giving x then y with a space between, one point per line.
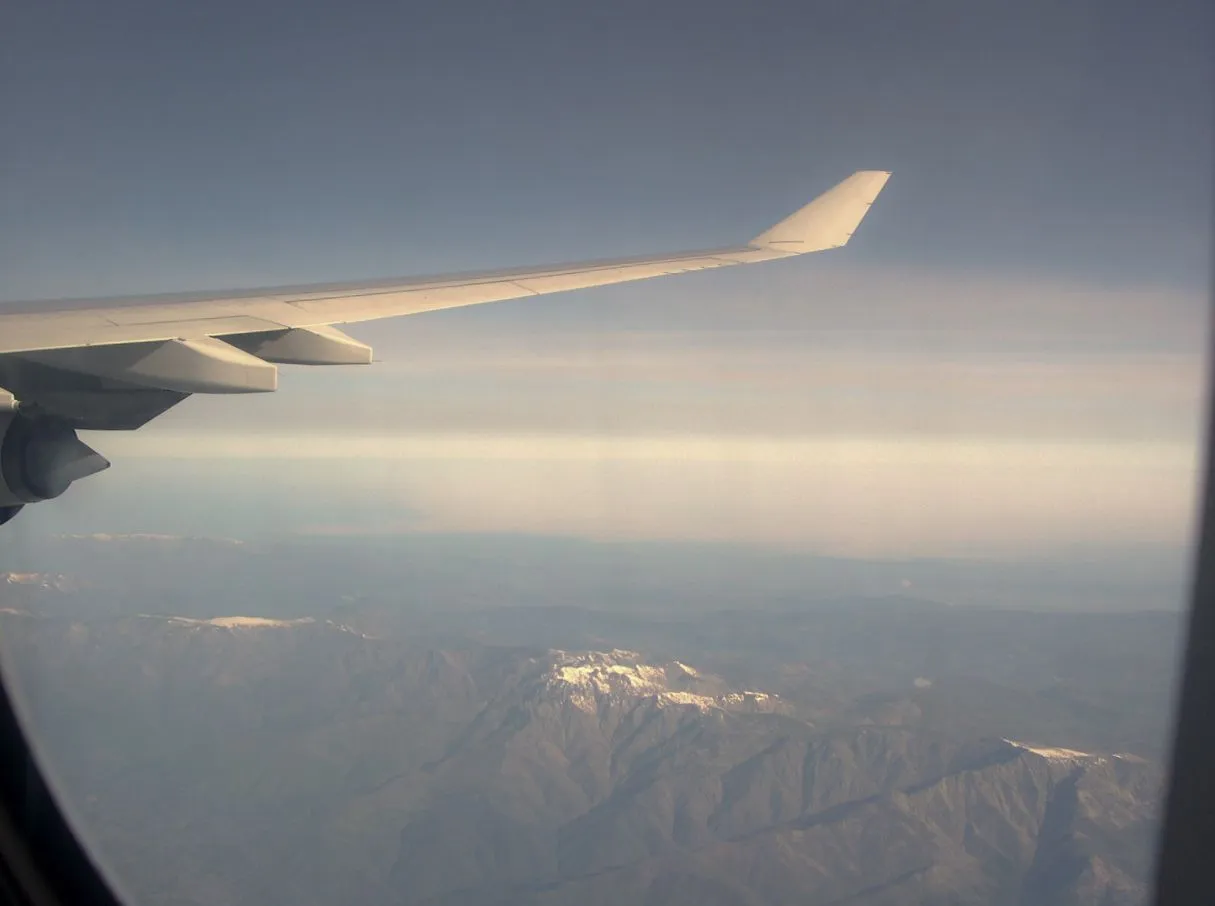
40 327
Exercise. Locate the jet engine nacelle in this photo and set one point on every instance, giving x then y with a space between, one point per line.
39 459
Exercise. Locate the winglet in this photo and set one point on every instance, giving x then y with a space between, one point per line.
829 221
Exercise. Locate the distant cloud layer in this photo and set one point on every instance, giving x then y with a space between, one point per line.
873 497
810 349
849 412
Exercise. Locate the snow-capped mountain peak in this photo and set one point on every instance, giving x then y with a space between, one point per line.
238 622
1058 755
591 679
241 623
39 580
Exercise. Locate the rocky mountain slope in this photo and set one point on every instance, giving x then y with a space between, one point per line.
257 760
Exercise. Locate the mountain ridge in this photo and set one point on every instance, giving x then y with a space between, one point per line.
302 758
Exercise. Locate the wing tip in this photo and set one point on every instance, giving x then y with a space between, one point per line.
829 220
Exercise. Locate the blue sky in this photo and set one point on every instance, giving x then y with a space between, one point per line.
152 145
1029 290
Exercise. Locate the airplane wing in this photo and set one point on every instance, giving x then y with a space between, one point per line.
114 364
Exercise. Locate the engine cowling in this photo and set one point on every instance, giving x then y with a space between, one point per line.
39 460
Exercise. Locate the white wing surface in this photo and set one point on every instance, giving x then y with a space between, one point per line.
827 222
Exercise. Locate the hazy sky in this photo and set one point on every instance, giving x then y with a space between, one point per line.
1006 361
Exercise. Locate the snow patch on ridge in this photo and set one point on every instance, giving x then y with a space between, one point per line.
41 580
1054 753
243 622
240 622
589 679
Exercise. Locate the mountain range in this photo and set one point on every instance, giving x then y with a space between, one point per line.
858 751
